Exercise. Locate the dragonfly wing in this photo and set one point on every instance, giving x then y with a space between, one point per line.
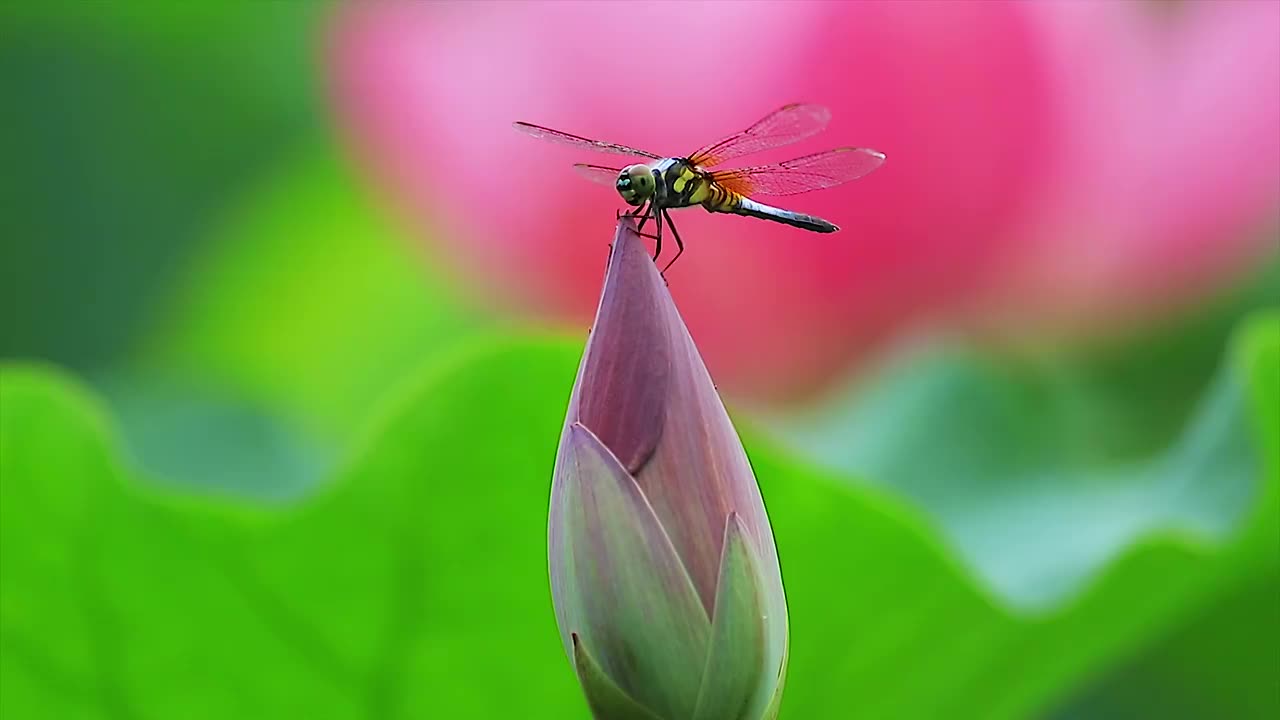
788 124
580 142
598 173
811 172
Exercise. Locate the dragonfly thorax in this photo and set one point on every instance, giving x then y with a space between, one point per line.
636 184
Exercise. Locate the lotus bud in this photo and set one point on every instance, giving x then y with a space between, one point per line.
664 572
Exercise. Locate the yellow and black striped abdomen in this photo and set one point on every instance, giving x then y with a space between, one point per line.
717 198
721 199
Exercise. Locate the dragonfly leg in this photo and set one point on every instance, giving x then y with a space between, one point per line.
644 217
643 214
634 212
657 240
679 242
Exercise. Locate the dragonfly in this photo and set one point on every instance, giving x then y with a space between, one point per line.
658 184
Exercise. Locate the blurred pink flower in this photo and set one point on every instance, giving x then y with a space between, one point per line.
1080 161
1167 168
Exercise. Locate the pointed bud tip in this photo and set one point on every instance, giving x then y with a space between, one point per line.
623 388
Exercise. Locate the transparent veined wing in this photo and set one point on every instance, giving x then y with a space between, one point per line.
786 125
580 142
598 173
811 172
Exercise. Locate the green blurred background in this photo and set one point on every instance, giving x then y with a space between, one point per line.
259 460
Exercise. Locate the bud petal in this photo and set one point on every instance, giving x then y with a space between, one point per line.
605 699
775 703
621 586
622 391
731 686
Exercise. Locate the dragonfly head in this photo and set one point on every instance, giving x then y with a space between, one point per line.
635 184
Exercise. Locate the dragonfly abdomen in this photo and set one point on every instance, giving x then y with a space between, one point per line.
751 208
718 199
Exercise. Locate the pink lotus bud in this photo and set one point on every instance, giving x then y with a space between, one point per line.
663 568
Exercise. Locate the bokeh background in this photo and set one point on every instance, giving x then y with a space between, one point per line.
291 317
